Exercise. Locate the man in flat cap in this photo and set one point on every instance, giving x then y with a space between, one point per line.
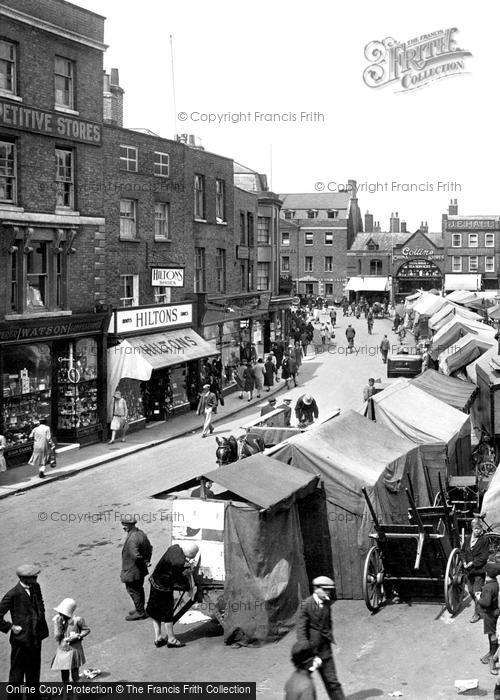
268 407
207 406
314 626
287 410
136 557
28 627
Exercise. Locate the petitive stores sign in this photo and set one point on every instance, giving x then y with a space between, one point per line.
40 121
149 318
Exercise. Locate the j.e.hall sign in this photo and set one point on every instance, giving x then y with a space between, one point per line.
40 121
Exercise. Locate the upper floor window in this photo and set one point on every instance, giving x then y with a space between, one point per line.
456 263
38 276
199 270
285 263
489 263
263 230
64 77
243 238
250 228
162 228
328 237
331 214
473 263
308 238
8 58
162 164
129 292
199 196
8 172
456 240
262 276
375 267
162 295
128 158
285 238
472 240
312 214
289 214
65 186
128 218
328 263
489 240
308 263
220 201
220 262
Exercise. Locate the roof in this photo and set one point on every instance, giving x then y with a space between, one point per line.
387 240
315 200
464 351
452 391
264 481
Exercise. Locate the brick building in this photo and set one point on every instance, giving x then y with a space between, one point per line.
316 230
51 230
472 250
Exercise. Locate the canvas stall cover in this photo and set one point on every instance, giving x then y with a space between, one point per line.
449 311
486 358
464 351
460 296
491 500
452 391
454 330
442 432
350 453
428 304
266 572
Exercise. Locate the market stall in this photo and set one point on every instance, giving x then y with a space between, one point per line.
350 453
456 329
448 312
454 392
464 351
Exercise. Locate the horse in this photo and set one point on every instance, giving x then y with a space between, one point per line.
232 449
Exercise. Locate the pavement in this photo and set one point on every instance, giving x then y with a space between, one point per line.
73 530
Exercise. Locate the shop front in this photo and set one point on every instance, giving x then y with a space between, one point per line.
52 369
239 326
416 267
371 288
154 359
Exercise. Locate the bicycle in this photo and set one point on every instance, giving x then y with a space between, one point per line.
483 456
493 534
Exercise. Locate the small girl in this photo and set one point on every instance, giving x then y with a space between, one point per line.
69 631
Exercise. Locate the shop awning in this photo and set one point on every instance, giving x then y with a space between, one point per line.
467 282
367 284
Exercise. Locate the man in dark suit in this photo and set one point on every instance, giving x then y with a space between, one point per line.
136 557
314 625
28 627
267 408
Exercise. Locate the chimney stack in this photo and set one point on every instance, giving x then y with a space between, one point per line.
368 222
403 227
394 223
453 207
112 98
424 228
376 227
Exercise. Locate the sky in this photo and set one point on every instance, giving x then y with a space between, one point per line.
410 151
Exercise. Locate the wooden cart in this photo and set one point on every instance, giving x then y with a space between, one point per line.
423 551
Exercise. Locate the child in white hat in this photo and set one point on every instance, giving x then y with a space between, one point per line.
69 630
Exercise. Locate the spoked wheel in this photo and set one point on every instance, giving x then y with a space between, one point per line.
486 469
373 580
454 582
493 542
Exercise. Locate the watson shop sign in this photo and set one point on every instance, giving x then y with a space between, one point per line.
167 277
414 63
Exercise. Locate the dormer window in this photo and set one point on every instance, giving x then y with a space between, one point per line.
332 214
312 213
289 214
371 245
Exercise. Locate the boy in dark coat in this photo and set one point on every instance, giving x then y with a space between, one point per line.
476 553
300 685
488 609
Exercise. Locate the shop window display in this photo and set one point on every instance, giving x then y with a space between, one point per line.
77 407
131 391
26 390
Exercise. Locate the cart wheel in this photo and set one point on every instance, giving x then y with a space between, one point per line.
493 542
486 469
373 580
438 499
454 582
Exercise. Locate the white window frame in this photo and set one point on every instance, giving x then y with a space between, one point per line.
65 183
161 164
199 197
70 78
162 295
8 173
130 220
264 227
287 239
329 269
134 299
456 237
327 293
314 213
489 237
306 258
473 266
456 263
332 214
200 273
263 266
12 62
220 201
129 159
489 263
162 221
306 234
329 233
473 240
283 268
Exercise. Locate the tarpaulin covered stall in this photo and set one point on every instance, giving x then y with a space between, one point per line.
456 329
489 356
491 500
449 311
460 296
454 392
463 352
275 541
428 304
350 453
443 433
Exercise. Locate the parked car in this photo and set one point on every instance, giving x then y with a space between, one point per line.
404 365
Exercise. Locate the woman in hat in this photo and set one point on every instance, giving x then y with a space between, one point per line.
269 373
69 630
487 604
119 420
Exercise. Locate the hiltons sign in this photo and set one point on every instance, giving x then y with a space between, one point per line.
151 317
167 277
414 63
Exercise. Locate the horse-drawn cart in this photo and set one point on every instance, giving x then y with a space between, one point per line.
426 550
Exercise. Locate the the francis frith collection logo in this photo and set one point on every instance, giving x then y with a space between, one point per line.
414 63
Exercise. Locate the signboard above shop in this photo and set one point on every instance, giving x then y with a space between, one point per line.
473 224
147 318
167 277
